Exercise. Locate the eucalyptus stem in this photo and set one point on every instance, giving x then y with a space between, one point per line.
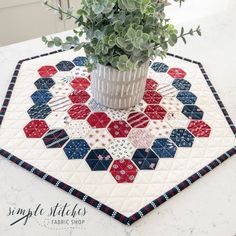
121 33
60 10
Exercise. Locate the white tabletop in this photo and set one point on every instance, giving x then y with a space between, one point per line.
205 208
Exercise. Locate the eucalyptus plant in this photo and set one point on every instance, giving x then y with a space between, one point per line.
120 33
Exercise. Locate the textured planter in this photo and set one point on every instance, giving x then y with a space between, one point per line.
117 89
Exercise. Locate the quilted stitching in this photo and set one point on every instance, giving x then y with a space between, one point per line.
179 144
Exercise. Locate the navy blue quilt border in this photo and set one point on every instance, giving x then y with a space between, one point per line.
93 202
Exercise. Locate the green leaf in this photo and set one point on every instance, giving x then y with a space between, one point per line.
123 58
44 39
184 40
121 42
199 31
131 33
78 47
172 40
97 8
69 38
50 44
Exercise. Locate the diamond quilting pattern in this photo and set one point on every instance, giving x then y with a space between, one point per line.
145 133
122 158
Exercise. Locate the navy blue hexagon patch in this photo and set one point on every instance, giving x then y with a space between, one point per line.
65 66
41 97
186 97
55 138
39 111
99 159
80 61
164 148
159 67
145 159
182 138
181 84
44 83
192 112
76 149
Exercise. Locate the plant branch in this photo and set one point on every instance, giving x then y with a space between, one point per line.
60 10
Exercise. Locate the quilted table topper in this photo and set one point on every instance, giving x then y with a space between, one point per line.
123 162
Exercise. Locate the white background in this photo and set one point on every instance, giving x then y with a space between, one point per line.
207 207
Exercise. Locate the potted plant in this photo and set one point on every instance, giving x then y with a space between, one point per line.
121 38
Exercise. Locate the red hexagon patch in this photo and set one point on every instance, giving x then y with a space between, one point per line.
80 83
47 71
36 129
119 128
151 84
152 97
79 112
79 97
177 73
155 112
98 120
123 171
199 128
138 120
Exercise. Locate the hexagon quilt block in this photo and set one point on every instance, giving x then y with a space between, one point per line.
47 71
99 160
182 138
55 138
51 125
123 171
155 112
181 84
79 112
76 149
186 97
36 129
199 128
44 83
138 120
80 61
39 111
151 84
164 148
80 83
193 112
79 97
98 120
145 159
177 73
119 128
65 66
41 97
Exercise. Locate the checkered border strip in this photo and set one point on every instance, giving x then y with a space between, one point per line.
93 202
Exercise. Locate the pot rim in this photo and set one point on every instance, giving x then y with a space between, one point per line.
133 69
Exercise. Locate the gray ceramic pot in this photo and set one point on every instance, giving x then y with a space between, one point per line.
117 89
